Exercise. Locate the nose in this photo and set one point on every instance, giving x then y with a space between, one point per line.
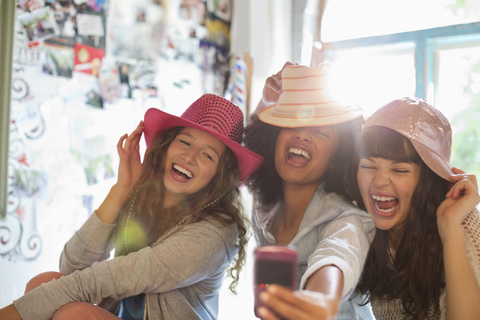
189 155
302 135
381 179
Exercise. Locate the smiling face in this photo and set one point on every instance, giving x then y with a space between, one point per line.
388 175
304 155
191 162
387 187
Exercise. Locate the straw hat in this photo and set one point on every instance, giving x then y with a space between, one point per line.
425 126
211 114
307 99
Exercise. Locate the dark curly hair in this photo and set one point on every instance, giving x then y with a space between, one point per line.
417 274
266 183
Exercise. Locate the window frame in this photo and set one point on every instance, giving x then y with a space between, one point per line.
426 42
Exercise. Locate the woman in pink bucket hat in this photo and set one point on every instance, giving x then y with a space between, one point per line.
306 138
176 223
425 259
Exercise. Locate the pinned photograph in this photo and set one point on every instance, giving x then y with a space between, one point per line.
59 62
109 84
30 5
90 25
124 74
88 59
89 87
38 25
78 22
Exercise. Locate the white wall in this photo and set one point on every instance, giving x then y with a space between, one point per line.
266 34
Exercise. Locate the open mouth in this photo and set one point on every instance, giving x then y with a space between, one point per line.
384 205
298 157
181 172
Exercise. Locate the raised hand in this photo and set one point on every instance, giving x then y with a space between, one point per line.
462 288
272 89
460 201
129 172
130 167
273 86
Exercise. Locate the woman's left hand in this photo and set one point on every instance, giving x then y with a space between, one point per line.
297 305
460 201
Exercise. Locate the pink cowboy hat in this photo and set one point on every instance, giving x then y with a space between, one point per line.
211 114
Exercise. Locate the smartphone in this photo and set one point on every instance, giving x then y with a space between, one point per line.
274 264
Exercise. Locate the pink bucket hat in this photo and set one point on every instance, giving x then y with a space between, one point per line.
425 126
307 99
211 114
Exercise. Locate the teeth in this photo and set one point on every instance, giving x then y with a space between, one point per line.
182 170
299 152
385 210
378 198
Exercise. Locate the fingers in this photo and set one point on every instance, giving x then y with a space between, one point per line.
132 141
283 293
277 307
275 81
273 87
457 170
291 305
120 143
287 64
461 188
278 76
459 174
460 184
266 314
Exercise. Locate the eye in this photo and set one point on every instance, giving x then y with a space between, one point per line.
367 166
184 142
208 156
321 133
402 168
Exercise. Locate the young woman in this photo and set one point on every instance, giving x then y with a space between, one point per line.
424 262
176 223
306 139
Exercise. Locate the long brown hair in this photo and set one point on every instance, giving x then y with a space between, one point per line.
221 195
266 183
416 275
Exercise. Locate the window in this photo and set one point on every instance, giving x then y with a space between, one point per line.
350 19
429 49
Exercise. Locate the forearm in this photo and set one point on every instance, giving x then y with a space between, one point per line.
463 291
88 245
113 203
328 280
9 313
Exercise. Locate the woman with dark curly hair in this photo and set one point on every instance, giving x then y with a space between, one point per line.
176 223
424 262
306 139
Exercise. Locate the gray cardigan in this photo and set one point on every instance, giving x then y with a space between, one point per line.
181 275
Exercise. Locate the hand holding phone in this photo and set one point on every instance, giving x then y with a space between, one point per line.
274 264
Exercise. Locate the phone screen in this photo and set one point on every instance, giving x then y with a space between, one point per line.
274 272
